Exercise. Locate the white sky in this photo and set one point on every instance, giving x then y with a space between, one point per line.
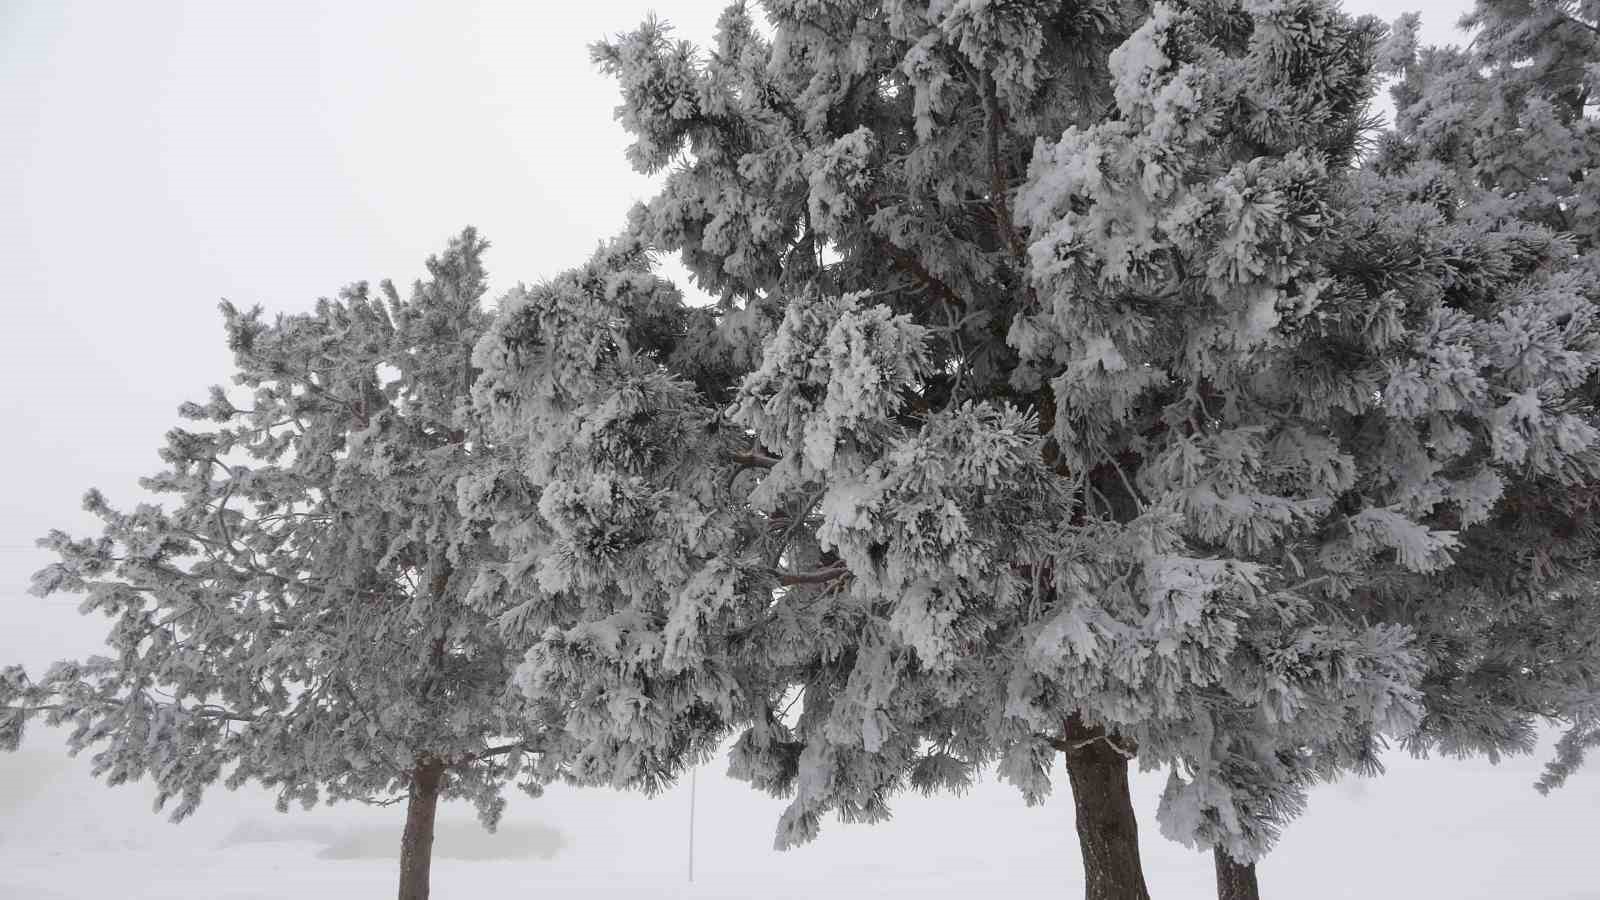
155 157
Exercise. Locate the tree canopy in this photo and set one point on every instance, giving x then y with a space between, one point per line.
1065 384
299 615
1079 378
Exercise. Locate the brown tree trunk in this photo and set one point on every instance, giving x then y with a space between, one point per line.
416 845
1235 880
1108 834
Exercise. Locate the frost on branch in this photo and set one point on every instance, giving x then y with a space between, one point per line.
303 612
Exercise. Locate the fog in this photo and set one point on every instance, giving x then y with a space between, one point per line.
1438 828
157 157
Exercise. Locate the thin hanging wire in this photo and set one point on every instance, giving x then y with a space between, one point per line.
692 773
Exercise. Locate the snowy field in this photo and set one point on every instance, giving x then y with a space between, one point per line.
1462 830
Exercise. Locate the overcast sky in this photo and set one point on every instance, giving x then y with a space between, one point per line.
156 157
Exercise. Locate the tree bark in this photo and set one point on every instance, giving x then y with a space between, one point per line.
416 845
1108 833
1235 880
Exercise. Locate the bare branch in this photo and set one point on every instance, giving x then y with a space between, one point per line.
502 750
754 460
819 576
219 713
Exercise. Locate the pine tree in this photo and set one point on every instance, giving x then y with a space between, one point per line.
1475 343
1507 113
1499 136
1478 206
299 616
1048 405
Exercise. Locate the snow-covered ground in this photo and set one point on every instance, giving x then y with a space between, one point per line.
1440 828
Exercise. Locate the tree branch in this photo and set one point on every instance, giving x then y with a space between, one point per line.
994 123
1579 22
754 460
819 576
1066 746
504 749
908 262
217 713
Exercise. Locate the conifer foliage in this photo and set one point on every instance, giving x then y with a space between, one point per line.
1489 178
1477 210
1066 390
299 615
1074 388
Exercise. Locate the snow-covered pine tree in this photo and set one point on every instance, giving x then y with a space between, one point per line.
1497 141
1475 344
1510 113
1032 417
299 616
1478 210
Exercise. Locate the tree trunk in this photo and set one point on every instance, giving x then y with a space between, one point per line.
1235 880
1108 834
416 845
